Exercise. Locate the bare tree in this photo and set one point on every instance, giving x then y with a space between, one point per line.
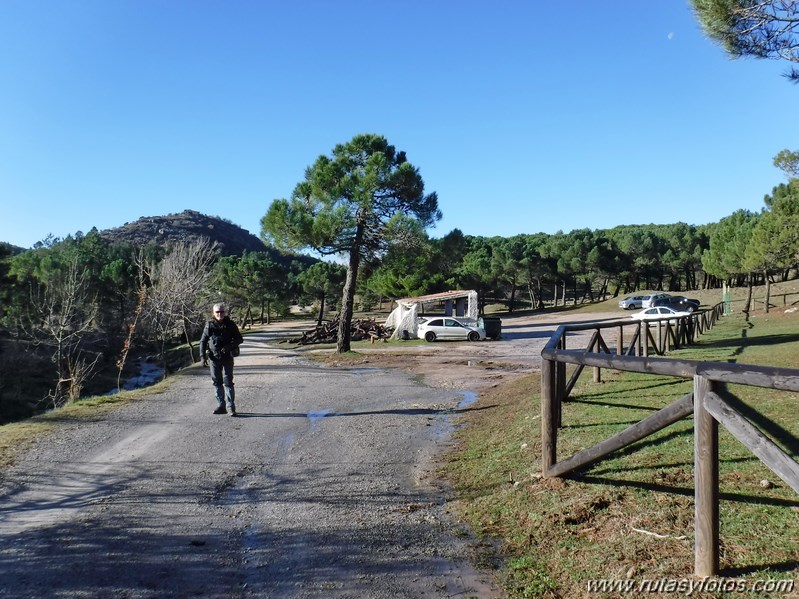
65 312
141 301
178 292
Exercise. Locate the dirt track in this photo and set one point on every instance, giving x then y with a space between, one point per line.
321 488
475 366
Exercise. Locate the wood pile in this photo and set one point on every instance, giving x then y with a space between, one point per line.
360 329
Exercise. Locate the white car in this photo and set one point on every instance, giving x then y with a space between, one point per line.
446 327
658 312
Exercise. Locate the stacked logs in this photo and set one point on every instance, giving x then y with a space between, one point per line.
360 329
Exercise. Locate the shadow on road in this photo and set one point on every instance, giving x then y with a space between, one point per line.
398 412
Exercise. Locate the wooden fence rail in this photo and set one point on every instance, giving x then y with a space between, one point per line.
709 403
775 300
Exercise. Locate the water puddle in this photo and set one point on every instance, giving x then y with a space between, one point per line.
316 416
367 370
469 397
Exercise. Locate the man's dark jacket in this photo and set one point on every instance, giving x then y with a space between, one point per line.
219 339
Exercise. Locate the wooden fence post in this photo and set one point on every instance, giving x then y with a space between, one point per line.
706 483
560 387
549 429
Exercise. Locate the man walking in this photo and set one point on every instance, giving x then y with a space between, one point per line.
220 342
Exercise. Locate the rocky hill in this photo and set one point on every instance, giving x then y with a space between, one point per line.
187 226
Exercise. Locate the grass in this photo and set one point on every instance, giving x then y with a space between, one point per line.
630 515
547 537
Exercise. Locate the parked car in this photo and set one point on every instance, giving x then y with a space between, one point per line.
678 302
648 299
632 302
658 312
449 328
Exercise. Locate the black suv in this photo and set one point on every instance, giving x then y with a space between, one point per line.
678 302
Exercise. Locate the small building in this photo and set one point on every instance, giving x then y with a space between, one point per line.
458 303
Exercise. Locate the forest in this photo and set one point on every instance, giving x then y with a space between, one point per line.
78 312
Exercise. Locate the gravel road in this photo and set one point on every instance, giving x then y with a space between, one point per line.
320 488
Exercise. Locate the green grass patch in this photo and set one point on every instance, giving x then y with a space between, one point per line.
631 514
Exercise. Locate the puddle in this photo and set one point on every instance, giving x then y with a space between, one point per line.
365 370
283 448
469 397
316 416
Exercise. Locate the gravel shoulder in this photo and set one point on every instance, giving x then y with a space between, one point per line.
476 366
322 487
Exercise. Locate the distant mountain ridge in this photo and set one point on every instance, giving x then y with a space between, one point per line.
188 225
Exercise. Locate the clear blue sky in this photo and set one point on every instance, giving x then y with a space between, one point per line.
525 116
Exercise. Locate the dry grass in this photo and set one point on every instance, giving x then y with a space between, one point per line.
630 515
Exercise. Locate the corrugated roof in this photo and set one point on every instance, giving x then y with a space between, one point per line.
444 295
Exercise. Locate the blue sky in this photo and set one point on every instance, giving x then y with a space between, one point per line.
524 116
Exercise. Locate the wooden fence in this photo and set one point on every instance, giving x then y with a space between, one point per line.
775 300
708 404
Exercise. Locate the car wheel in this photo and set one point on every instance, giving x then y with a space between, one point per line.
474 336
429 336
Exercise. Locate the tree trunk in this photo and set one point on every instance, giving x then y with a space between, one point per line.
588 291
348 296
748 304
321 310
768 290
188 340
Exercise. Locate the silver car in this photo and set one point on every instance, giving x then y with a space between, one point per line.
632 302
648 299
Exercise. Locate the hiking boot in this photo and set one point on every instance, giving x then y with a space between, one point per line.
220 410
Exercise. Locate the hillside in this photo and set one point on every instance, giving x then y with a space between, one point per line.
185 226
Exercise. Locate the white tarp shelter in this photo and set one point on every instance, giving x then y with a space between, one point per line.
456 303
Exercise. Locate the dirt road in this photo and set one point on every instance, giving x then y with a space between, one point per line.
320 488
